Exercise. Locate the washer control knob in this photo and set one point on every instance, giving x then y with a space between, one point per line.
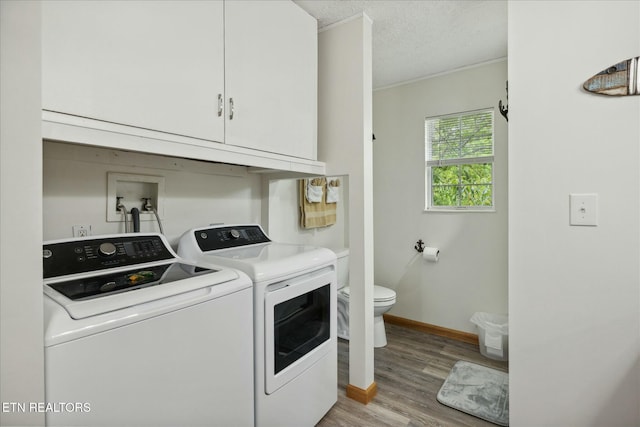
234 233
107 249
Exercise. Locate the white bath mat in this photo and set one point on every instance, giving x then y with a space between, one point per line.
477 390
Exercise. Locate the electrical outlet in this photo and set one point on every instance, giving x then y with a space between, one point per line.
81 230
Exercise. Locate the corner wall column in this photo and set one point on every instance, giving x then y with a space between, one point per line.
345 114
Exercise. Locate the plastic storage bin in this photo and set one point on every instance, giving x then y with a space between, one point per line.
493 334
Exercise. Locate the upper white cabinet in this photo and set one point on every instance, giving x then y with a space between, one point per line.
271 59
242 73
150 64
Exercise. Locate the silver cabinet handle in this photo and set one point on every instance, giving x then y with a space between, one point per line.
220 104
230 108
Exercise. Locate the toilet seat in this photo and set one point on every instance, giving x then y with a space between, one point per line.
380 293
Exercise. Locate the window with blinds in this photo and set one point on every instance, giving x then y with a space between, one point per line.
459 161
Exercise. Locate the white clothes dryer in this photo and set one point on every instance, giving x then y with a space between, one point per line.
295 318
135 336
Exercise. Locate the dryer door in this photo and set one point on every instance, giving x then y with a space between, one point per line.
300 316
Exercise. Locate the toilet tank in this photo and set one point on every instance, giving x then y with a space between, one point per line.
342 269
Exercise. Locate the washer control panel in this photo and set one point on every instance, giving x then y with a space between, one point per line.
229 237
80 256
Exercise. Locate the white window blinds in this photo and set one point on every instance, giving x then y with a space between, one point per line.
463 138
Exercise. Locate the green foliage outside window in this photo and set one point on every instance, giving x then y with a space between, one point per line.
462 185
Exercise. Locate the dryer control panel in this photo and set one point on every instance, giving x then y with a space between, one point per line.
79 256
229 237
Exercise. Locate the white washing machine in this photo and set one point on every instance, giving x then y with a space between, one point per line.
134 336
295 318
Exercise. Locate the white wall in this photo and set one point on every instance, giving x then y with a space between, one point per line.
471 274
196 193
574 292
284 216
21 348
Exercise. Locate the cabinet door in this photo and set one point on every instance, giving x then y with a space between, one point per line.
150 64
271 59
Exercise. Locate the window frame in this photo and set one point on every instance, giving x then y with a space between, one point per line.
459 161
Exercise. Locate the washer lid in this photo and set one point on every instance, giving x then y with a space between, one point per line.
113 312
380 293
87 296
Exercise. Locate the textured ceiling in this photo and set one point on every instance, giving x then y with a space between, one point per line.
415 39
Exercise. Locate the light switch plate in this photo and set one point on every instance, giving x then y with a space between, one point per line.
583 209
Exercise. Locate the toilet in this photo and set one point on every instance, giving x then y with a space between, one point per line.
383 300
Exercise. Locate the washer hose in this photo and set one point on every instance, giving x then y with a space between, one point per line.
148 207
122 209
155 212
135 218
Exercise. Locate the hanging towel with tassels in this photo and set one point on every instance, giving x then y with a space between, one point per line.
314 190
315 215
332 190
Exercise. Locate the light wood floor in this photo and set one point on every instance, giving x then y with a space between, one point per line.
409 371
